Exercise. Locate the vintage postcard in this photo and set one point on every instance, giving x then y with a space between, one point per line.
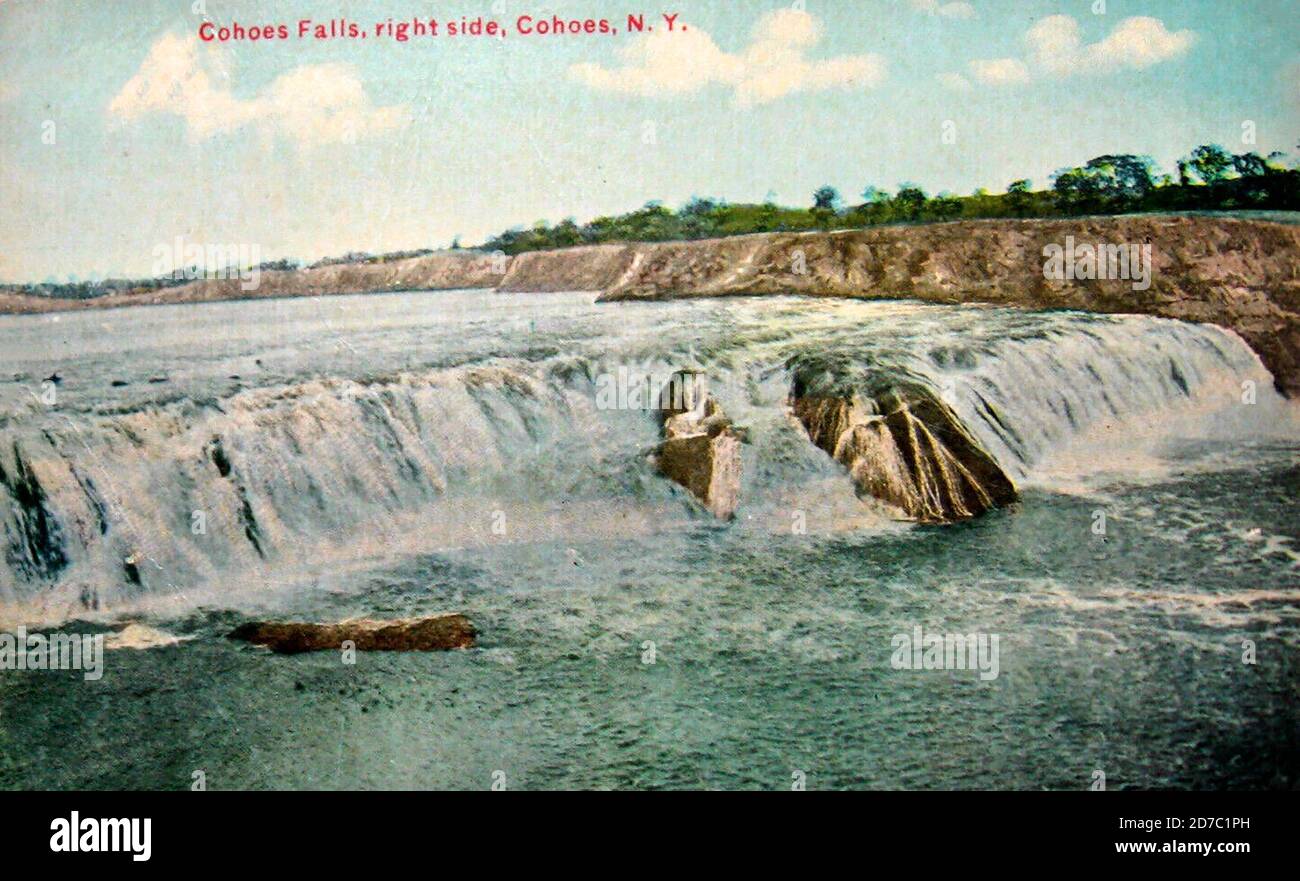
486 395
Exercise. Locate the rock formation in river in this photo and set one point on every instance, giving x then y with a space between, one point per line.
701 448
449 630
901 444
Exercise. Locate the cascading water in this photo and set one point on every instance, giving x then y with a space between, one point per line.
183 450
1027 396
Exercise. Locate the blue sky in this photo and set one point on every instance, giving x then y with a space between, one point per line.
120 130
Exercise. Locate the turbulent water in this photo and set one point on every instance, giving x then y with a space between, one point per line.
193 466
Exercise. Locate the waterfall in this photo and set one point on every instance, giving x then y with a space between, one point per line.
1120 382
153 499
107 503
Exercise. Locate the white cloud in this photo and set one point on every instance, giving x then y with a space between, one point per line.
1139 42
326 103
667 64
955 81
1056 48
945 10
663 63
312 104
1000 71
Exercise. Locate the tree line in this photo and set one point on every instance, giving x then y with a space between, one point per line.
1210 178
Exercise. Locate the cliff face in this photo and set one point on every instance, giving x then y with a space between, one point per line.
587 268
1241 274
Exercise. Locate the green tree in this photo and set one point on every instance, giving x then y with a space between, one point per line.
875 207
698 218
826 203
826 199
1210 163
1019 196
874 195
1250 165
1107 183
910 201
945 206
566 234
1125 179
1077 191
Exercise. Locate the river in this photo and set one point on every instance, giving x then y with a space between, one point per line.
190 467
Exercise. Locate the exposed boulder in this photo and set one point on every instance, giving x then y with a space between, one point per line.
701 447
449 630
902 445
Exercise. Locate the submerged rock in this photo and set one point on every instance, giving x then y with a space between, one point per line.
701 447
449 630
902 445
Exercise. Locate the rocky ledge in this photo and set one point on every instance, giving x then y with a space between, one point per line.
901 444
449 630
701 447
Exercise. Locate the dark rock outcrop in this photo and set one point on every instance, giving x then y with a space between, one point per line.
902 445
449 630
33 537
701 447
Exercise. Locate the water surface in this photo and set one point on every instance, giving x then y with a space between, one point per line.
373 442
